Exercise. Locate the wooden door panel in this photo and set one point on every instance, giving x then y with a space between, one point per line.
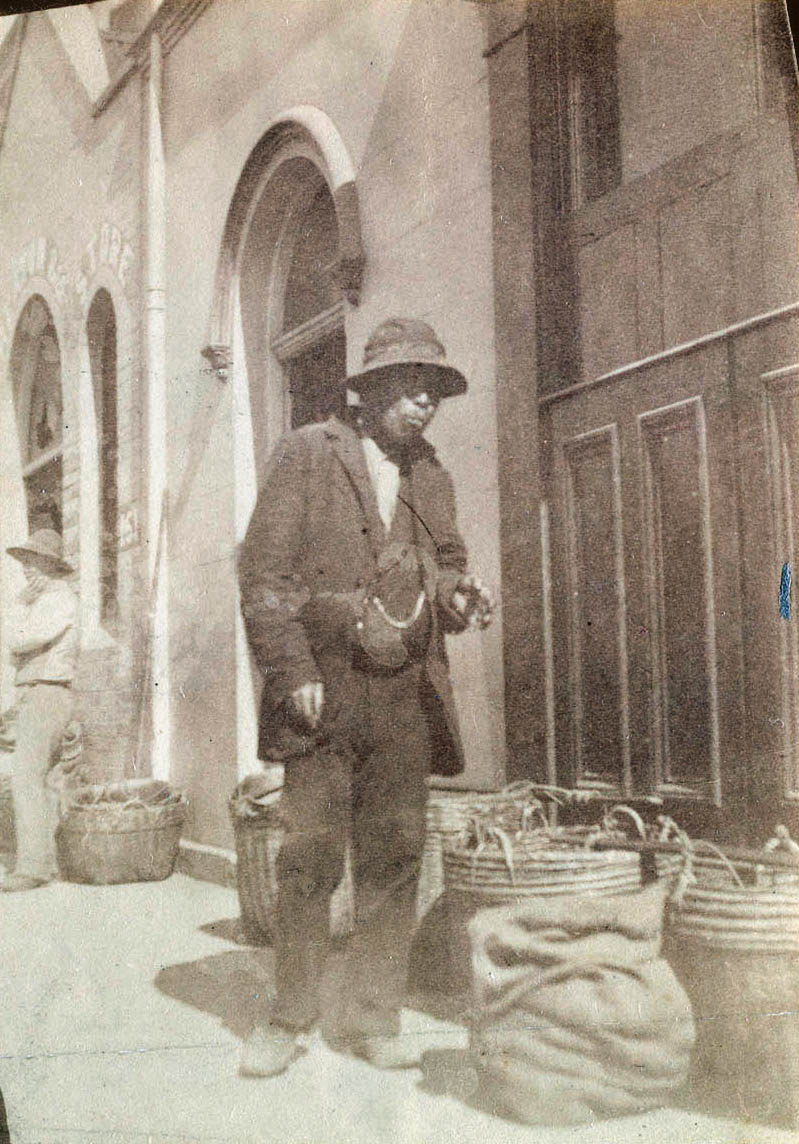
679 571
646 603
596 599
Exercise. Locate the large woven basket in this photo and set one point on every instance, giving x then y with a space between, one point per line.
120 832
732 936
259 835
539 867
759 916
737 904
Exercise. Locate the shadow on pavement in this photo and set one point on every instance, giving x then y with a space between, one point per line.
237 985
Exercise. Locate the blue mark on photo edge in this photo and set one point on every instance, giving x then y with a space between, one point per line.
785 592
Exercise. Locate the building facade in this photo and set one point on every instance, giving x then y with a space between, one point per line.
208 206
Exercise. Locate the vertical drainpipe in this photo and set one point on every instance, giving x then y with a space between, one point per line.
156 400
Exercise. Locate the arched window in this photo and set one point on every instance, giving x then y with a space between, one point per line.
36 382
291 302
101 333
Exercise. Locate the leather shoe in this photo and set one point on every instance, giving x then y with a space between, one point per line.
13 882
395 1051
269 1050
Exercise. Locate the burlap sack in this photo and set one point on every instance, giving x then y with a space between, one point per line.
577 1016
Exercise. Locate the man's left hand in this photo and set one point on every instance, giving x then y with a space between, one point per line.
473 602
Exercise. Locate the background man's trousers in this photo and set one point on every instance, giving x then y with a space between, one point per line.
370 784
44 711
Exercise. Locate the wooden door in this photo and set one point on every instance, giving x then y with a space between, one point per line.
647 627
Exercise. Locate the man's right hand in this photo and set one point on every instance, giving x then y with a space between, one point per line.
308 702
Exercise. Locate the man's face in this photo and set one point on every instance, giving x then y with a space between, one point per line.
407 405
34 577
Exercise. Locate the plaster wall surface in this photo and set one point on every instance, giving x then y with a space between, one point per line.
405 86
69 184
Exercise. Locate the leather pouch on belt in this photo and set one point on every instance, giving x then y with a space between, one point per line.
394 616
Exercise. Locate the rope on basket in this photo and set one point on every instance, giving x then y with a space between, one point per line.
690 851
481 831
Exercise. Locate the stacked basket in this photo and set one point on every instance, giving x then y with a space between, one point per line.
449 813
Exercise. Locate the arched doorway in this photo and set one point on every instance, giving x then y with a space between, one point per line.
35 368
291 261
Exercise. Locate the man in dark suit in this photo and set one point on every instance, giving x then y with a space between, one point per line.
351 572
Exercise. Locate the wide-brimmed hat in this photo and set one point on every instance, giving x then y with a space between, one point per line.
44 550
407 342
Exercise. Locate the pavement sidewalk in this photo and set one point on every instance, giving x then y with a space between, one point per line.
120 1023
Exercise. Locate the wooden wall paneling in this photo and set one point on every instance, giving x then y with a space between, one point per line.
679 562
598 675
696 256
608 290
649 283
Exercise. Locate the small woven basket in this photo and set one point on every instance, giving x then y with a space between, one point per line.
120 832
258 834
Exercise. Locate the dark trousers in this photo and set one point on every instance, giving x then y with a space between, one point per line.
370 786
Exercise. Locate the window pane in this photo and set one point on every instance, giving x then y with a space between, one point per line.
46 413
316 381
43 495
311 286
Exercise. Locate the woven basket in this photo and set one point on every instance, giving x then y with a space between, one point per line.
448 815
735 949
759 917
258 842
120 832
540 866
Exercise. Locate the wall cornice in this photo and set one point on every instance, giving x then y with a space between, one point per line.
170 23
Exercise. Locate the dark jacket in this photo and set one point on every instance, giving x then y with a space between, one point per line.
316 530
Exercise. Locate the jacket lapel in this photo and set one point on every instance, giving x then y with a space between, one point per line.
348 449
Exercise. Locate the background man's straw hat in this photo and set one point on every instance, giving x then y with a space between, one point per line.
401 342
43 550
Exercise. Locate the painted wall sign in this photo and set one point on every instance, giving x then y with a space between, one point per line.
39 258
107 248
